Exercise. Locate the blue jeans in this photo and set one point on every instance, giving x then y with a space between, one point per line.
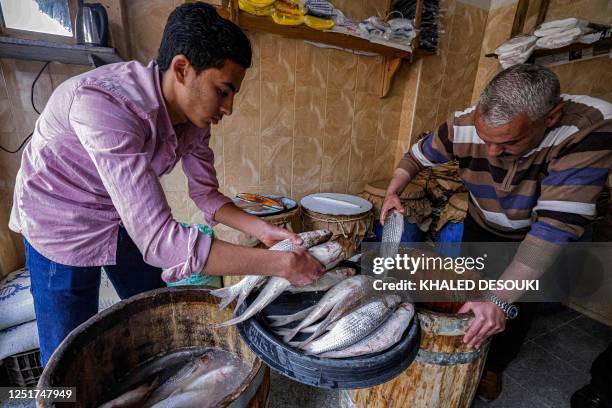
66 296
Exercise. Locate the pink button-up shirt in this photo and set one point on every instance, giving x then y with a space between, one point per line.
94 162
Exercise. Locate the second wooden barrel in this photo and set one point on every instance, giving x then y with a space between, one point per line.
444 374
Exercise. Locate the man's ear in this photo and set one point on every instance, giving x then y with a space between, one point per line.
554 115
179 66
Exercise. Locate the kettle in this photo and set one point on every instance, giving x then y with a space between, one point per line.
92 25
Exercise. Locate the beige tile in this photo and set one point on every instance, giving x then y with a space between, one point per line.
384 159
310 104
604 74
369 74
276 157
241 155
7 123
365 133
179 205
278 59
245 119
299 191
19 76
254 72
390 117
339 113
61 72
277 116
279 189
312 66
307 159
147 19
336 151
176 181
342 71
333 188
357 187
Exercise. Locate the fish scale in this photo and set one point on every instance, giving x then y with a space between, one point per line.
354 326
392 235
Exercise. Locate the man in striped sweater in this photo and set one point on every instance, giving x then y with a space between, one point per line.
534 162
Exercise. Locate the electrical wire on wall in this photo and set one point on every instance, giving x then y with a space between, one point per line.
33 106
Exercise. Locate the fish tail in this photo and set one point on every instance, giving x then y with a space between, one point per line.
282 320
227 296
291 334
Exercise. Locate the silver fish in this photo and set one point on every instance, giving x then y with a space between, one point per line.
349 289
329 254
188 373
354 326
328 280
242 289
133 398
386 336
392 235
350 299
200 392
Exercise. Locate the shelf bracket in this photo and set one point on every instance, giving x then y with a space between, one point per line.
390 68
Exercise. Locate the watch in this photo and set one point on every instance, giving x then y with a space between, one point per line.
509 309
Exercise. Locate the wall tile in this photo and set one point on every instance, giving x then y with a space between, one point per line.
278 59
310 103
176 181
366 131
254 72
61 72
246 117
7 124
369 74
241 156
342 72
337 135
333 188
299 191
278 116
19 76
147 19
312 65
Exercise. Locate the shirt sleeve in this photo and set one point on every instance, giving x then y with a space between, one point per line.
115 138
198 166
434 149
568 197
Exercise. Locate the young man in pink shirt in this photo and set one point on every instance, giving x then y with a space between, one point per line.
88 194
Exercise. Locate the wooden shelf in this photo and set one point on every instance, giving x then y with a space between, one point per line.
302 32
50 51
574 51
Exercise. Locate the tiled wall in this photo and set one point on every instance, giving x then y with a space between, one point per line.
17 118
441 84
576 77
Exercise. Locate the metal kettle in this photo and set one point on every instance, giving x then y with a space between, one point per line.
92 25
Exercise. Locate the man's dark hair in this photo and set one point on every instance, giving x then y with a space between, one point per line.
207 40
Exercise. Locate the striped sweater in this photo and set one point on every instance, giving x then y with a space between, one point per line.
549 193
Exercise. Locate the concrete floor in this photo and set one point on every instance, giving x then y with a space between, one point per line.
553 363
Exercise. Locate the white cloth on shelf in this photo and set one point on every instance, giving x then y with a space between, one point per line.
507 61
557 26
561 39
516 50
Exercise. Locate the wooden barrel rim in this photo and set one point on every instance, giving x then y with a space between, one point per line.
109 317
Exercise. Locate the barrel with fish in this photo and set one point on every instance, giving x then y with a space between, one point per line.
277 210
335 333
158 349
348 217
445 372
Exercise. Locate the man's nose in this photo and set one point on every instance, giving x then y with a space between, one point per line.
494 150
227 107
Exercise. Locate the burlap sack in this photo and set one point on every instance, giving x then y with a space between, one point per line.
454 211
418 207
348 230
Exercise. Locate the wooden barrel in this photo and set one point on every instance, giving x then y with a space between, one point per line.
110 344
444 374
289 220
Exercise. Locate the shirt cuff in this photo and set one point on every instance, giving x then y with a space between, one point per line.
198 249
210 205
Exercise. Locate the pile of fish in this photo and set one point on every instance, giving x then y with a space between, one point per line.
350 319
184 378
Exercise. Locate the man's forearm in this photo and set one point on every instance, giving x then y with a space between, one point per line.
400 180
234 217
228 259
533 258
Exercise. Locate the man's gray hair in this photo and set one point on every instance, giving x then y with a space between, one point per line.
523 88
